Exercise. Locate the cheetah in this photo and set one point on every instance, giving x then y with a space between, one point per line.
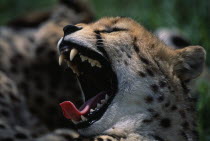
133 85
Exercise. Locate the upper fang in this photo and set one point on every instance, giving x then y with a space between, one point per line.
61 58
73 53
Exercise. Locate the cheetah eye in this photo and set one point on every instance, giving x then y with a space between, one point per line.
115 29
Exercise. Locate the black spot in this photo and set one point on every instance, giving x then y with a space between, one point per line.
167 104
4 113
151 110
125 62
144 60
184 135
20 136
129 56
150 72
162 84
147 121
185 125
161 98
182 114
156 115
165 123
154 88
2 126
141 74
173 108
149 99
185 88
157 138
14 98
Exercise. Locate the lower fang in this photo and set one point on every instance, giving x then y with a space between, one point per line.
75 122
83 118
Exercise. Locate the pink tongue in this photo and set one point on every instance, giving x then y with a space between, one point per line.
71 112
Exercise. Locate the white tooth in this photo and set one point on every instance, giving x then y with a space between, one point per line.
75 122
83 58
99 105
83 118
61 59
73 53
91 110
98 64
93 63
106 97
59 42
73 67
103 101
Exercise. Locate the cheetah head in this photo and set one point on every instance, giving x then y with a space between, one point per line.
131 81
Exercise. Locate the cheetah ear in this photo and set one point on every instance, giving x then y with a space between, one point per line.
188 62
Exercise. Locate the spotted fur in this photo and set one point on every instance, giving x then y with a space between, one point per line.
32 85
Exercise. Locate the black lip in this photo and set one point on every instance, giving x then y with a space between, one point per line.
64 48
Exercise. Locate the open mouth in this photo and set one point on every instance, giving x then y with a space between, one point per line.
98 82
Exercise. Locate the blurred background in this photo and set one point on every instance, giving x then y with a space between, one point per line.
191 17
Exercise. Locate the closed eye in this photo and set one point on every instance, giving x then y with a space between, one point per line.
115 29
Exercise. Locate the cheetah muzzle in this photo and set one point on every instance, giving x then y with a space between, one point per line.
97 81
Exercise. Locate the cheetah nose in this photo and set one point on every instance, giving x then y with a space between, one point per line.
70 29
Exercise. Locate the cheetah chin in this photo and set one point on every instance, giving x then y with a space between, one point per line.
132 82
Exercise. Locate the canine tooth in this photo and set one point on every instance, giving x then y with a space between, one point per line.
103 101
106 97
73 68
83 118
73 53
61 59
75 122
91 110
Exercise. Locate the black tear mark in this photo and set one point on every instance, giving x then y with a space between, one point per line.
135 45
144 60
100 44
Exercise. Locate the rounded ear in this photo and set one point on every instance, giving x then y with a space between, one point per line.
189 62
